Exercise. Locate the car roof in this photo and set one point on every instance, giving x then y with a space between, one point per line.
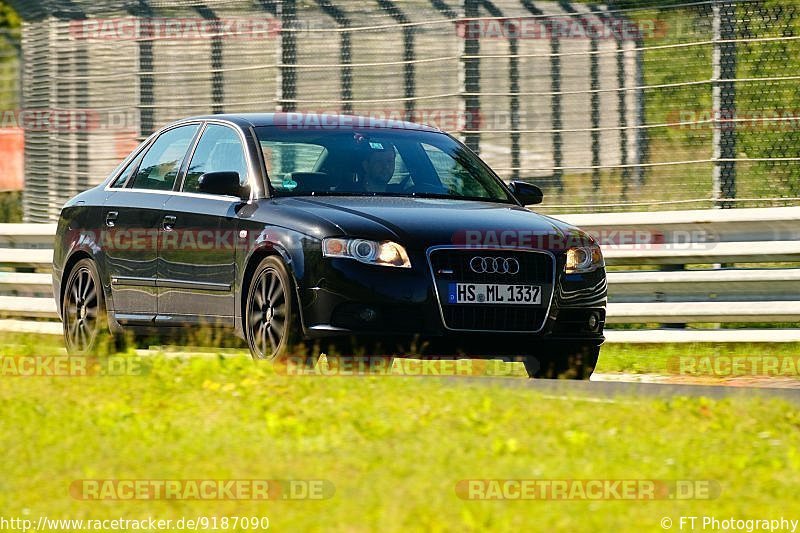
311 120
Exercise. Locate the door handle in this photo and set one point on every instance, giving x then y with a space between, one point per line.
168 223
111 218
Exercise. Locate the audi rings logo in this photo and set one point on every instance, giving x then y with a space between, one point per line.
494 265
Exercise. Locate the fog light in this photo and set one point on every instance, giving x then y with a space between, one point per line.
592 322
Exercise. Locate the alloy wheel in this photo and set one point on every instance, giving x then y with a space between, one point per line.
267 313
81 311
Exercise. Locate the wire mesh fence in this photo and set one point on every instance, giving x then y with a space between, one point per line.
688 105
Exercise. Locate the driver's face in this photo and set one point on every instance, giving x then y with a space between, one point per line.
379 167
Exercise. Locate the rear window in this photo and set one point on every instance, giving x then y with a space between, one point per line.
162 162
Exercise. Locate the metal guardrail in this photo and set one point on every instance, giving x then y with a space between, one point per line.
744 267
760 281
735 225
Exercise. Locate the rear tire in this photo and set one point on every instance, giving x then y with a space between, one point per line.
83 312
576 363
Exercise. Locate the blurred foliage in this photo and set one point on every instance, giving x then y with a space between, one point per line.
8 17
10 206
9 47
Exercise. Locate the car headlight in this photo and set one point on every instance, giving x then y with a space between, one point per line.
386 253
583 259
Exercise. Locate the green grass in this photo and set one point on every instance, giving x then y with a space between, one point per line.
394 448
664 358
614 357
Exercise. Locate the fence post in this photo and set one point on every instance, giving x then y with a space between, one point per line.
642 133
410 86
146 96
556 112
217 76
470 73
513 105
346 57
594 69
615 22
724 103
287 44
82 99
594 99
345 54
513 89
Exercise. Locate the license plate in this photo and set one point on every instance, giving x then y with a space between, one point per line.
494 293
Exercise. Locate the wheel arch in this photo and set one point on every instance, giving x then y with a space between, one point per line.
255 258
69 264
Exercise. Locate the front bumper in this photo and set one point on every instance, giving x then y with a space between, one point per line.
344 297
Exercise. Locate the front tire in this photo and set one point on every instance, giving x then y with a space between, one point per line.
271 323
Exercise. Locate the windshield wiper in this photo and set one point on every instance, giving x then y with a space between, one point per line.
453 197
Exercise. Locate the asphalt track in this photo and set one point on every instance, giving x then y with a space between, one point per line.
625 391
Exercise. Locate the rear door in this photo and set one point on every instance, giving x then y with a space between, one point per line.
132 215
197 254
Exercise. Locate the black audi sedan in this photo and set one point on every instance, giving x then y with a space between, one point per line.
290 228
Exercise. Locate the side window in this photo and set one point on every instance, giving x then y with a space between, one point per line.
219 150
162 162
123 178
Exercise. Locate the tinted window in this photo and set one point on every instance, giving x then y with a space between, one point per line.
123 178
162 162
219 150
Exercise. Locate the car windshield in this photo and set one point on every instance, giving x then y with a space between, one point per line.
375 162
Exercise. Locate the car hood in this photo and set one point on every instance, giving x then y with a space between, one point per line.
422 222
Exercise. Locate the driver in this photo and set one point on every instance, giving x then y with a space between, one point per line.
376 166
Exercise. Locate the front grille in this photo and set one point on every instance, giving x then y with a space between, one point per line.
453 265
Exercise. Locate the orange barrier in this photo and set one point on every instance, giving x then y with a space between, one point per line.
12 149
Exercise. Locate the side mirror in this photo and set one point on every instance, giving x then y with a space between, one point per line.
223 183
526 193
